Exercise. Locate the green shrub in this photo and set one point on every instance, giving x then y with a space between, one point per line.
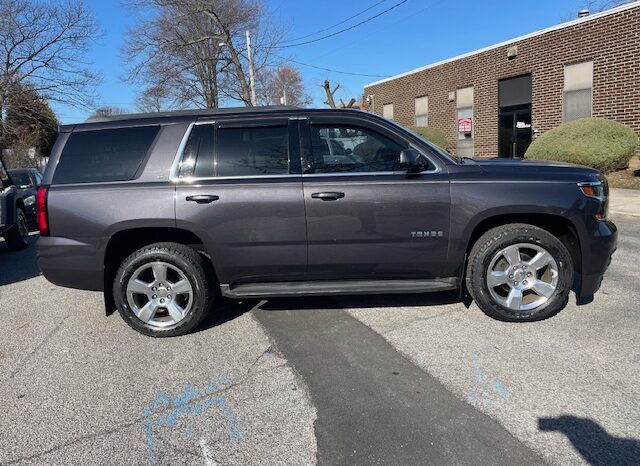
595 142
433 135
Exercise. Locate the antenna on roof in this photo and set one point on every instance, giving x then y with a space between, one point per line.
583 13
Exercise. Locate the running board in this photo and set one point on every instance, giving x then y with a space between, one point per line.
343 287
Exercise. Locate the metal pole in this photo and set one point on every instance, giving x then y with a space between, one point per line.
252 84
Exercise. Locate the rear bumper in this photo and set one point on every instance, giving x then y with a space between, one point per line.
70 263
596 257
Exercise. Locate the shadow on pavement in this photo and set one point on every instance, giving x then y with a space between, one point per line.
16 266
225 310
592 441
360 301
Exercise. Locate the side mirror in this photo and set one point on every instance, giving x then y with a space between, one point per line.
409 160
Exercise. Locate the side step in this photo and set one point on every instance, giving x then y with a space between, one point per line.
343 287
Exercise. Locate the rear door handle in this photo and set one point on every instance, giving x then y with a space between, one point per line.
328 196
203 198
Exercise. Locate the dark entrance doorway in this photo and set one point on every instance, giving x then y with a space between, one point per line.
514 116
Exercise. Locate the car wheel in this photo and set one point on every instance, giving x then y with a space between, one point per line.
162 290
18 237
519 273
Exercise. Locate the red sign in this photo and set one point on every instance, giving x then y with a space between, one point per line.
465 125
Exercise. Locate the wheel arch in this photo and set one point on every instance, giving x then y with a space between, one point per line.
124 242
559 226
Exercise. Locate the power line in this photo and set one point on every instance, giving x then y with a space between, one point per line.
341 30
333 71
337 24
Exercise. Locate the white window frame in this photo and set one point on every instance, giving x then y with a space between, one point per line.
425 114
387 110
576 88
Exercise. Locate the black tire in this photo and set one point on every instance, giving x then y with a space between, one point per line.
494 241
189 262
17 237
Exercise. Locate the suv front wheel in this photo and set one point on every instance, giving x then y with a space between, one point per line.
162 290
519 273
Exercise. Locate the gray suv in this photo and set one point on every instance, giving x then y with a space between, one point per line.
164 212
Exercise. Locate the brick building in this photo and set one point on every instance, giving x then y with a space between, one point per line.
493 101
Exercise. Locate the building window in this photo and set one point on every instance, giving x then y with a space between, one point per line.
422 111
464 104
578 86
387 111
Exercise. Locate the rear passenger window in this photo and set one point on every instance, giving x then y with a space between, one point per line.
104 155
197 156
256 151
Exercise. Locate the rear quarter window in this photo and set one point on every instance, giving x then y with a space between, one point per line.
104 155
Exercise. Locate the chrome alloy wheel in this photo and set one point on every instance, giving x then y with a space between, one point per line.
159 294
522 276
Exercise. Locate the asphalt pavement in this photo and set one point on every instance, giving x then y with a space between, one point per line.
347 380
77 387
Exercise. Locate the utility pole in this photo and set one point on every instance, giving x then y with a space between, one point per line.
252 84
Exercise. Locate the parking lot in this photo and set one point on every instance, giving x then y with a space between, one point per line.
299 381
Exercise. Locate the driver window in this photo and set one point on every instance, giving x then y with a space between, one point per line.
337 149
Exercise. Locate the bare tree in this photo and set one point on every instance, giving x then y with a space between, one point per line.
284 85
107 111
43 45
330 93
196 49
155 99
30 128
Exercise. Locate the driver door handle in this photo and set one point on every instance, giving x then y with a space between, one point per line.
203 198
328 196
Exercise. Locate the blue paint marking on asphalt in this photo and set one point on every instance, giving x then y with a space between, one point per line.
482 393
184 405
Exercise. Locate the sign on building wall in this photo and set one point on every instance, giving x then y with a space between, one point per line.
465 125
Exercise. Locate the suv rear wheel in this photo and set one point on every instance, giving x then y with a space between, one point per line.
519 273
162 290
18 236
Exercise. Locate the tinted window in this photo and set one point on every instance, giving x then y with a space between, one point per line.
197 157
104 155
38 178
352 149
21 178
252 151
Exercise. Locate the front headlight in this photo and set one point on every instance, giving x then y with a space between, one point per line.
598 190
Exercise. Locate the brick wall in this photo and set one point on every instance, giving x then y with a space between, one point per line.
612 42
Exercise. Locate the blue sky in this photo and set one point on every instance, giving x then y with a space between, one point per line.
416 33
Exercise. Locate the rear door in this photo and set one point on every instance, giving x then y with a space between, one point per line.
239 187
366 217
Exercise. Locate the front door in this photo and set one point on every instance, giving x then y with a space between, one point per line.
515 131
366 218
240 189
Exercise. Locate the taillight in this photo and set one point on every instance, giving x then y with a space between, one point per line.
41 209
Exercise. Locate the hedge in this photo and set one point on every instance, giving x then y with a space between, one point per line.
595 142
433 135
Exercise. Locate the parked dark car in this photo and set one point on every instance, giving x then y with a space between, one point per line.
163 211
26 181
13 218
